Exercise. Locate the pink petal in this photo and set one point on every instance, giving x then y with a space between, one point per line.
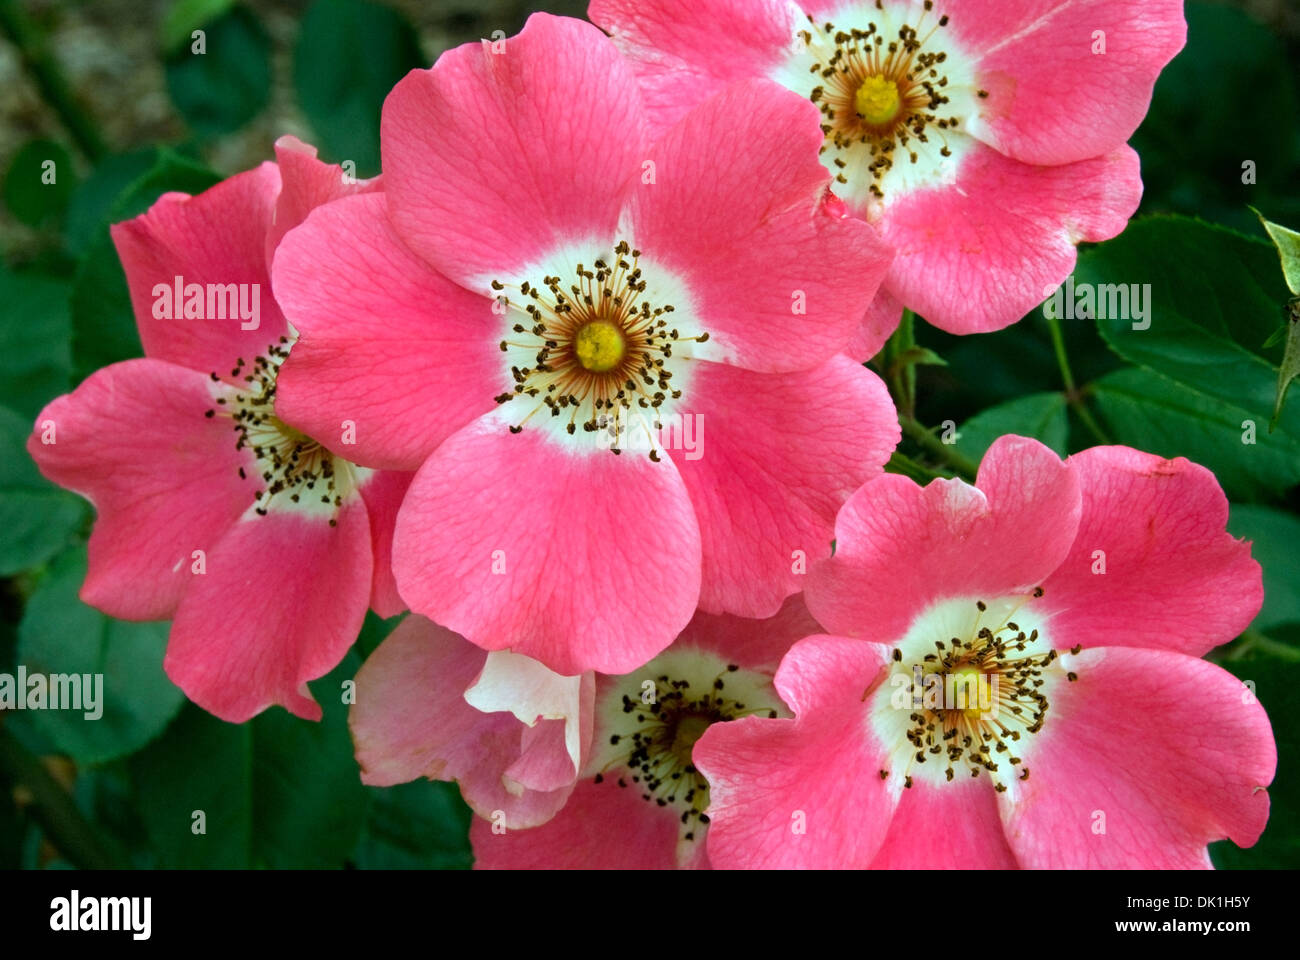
388 345
1173 752
878 325
526 688
778 278
164 479
1052 98
1173 579
900 547
544 761
820 771
600 551
282 601
946 826
754 644
411 720
600 828
685 51
775 456
306 183
383 492
217 237
979 255
493 159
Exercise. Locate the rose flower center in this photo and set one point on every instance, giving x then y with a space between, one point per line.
291 465
967 703
592 349
655 717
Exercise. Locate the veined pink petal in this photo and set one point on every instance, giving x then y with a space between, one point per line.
411 720
281 602
948 826
755 644
305 184
1152 564
544 763
900 547
383 492
503 151
779 279
525 687
878 325
1066 79
388 346
600 828
164 479
979 257
1149 756
805 792
685 51
216 238
583 560
774 457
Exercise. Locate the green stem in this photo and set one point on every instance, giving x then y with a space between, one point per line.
52 807
945 453
902 464
33 46
1255 640
907 340
1072 393
1062 360
1084 414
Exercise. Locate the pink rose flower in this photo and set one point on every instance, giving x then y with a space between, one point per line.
263 547
1070 604
541 287
642 803
985 138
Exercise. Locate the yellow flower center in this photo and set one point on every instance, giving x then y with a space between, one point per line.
878 100
599 346
690 728
970 685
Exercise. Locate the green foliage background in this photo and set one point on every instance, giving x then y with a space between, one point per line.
282 792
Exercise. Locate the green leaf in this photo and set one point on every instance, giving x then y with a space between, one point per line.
373 632
349 56
1276 683
1145 410
35 335
1274 535
920 357
92 201
170 172
38 519
1288 251
39 182
904 466
277 791
1290 368
422 825
1215 296
61 635
103 323
183 17
221 89
1039 415
1212 298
